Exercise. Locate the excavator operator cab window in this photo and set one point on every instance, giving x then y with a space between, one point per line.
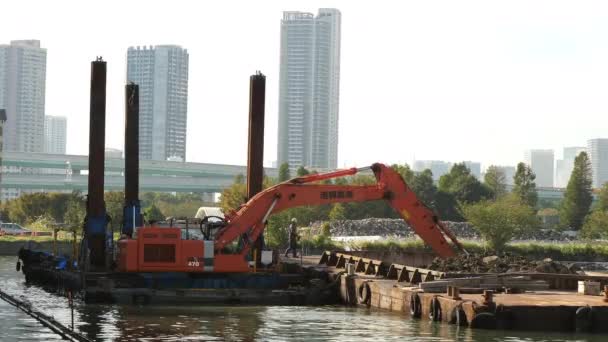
210 225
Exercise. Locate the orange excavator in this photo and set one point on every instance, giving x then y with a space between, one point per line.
158 249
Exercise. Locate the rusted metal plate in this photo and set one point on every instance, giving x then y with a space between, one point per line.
400 273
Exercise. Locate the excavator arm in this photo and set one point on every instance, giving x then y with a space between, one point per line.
250 220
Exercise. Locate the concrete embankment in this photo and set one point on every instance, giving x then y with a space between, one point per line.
11 248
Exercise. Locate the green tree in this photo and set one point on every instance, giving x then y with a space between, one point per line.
405 172
602 198
115 202
153 214
29 207
461 184
423 186
596 225
337 212
284 173
496 181
501 220
302 171
75 212
234 196
448 209
524 186
578 197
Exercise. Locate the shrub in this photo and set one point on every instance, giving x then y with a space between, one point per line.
499 221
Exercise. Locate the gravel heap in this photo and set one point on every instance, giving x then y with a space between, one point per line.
399 229
505 263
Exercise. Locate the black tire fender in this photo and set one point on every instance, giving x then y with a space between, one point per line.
364 294
435 310
415 306
583 319
458 316
484 320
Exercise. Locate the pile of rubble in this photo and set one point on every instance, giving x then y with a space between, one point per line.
397 228
504 263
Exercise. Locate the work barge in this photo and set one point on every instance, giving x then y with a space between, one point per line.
509 301
530 301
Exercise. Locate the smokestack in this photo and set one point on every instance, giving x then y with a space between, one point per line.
96 221
255 152
132 209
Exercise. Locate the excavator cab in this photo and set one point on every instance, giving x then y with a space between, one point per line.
209 225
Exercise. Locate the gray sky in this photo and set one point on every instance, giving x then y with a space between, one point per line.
450 80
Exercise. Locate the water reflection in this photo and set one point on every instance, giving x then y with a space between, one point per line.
236 323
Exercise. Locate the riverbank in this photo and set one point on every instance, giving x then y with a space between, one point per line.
12 247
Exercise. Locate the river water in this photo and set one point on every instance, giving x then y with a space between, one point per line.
232 323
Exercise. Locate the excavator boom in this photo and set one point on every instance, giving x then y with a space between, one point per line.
163 250
250 220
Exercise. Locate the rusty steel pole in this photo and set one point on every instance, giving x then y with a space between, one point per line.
132 208
255 151
96 220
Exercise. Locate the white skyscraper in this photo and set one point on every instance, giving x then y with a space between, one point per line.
2 121
55 131
541 163
509 172
474 167
438 167
309 88
598 155
564 167
22 91
162 75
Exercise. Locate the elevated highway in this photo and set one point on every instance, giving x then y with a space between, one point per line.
69 172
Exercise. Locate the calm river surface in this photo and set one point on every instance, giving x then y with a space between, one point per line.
272 323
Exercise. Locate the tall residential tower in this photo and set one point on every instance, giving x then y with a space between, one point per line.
541 163
309 88
162 75
22 91
598 155
55 131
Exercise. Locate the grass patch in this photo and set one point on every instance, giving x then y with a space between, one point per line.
61 236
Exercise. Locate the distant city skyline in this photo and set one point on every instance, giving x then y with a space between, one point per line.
456 81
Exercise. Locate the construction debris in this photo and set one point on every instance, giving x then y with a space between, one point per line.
398 228
504 263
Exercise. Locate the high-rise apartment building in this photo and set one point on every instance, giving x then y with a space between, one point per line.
564 167
162 75
2 121
541 163
474 167
598 155
509 172
438 167
55 132
22 91
309 87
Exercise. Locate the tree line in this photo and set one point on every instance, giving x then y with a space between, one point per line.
459 196
69 209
